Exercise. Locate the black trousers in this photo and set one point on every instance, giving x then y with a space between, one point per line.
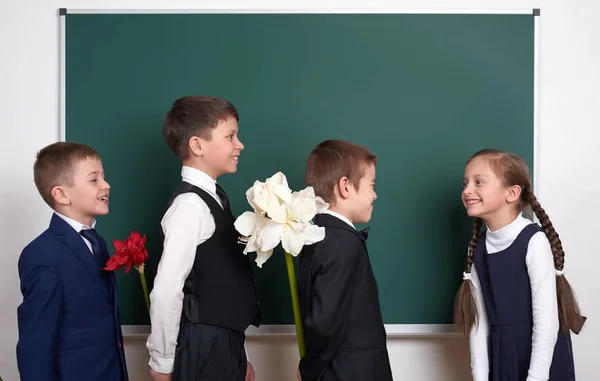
209 353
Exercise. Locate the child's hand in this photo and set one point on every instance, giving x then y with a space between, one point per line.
250 375
160 376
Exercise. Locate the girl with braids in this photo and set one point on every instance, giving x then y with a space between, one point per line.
514 302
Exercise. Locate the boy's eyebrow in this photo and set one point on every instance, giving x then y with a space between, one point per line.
93 173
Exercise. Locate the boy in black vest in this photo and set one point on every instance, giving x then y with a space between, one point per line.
339 298
203 297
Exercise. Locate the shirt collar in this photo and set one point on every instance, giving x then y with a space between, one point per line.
508 232
343 218
78 226
198 178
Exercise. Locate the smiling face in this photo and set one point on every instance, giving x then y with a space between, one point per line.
484 193
361 198
220 155
87 194
493 193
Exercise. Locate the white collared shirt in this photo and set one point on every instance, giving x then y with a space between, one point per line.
343 218
78 227
542 276
187 223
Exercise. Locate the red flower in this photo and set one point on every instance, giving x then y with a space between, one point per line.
130 252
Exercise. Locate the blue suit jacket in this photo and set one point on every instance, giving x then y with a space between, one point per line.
68 322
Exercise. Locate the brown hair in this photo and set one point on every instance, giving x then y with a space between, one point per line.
513 170
54 166
194 116
333 159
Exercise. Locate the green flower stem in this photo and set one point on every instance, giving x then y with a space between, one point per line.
140 269
289 260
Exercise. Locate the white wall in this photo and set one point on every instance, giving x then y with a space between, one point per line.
569 185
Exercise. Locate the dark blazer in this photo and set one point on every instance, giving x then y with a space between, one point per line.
69 321
339 303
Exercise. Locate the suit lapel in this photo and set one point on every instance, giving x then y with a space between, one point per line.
75 243
112 277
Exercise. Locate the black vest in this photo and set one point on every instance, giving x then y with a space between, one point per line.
220 289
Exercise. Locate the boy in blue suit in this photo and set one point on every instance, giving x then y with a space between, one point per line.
69 320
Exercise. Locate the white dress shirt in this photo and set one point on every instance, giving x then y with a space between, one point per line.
186 224
78 226
542 275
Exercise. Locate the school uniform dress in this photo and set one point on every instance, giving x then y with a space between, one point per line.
204 295
339 301
517 337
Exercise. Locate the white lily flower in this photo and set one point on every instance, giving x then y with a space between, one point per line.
250 225
280 216
279 186
269 197
305 205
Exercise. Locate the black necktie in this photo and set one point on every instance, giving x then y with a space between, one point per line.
224 200
92 236
365 232
100 255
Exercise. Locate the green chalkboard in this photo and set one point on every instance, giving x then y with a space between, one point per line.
422 91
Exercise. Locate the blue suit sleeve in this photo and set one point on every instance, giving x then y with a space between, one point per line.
38 317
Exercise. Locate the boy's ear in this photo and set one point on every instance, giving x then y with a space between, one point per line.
60 196
343 187
513 194
196 146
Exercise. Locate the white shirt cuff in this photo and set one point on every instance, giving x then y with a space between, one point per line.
162 365
481 375
533 378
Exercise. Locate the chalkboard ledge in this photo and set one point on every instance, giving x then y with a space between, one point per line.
140 332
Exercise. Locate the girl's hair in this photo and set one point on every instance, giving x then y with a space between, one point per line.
512 170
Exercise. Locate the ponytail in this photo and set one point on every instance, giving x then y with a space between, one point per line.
568 309
465 309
